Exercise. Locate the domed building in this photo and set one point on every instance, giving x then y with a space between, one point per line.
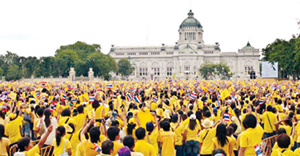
184 59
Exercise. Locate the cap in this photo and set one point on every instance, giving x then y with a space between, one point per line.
12 116
193 117
149 125
124 151
215 109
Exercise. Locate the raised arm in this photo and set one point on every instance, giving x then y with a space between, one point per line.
44 138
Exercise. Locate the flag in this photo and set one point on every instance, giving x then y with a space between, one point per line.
170 81
129 97
73 99
97 148
37 94
109 86
224 94
64 95
226 117
257 150
218 103
154 99
132 89
3 97
200 90
261 102
91 98
137 99
193 96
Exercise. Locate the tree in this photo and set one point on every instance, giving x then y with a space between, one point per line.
124 67
286 53
210 70
1 72
13 73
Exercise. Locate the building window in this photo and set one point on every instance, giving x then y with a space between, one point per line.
154 53
143 53
187 68
170 53
169 71
131 53
248 69
208 52
156 71
143 71
119 53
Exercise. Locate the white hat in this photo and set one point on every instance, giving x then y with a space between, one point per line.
207 123
193 117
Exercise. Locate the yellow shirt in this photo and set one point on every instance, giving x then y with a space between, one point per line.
267 123
287 128
35 151
79 121
280 152
168 140
12 130
145 117
145 148
60 149
297 152
63 120
79 150
178 131
74 141
117 146
153 137
233 142
192 134
3 144
207 144
225 147
249 138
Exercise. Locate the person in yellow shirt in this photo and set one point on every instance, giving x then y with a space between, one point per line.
283 143
152 135
221 141
13 130
113 134
25 145
94 142
129 142
141 145
79 118
107 148
66 118
60 143
206 136
4 142
177 127
191 136
251 137
167 139
269 119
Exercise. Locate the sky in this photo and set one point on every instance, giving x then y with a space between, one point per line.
38 28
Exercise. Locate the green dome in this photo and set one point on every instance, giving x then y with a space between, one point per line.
190 21
248 47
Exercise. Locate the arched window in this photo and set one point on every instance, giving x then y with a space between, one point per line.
170 66
143 69
155 68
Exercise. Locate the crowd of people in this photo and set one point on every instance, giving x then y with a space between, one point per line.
150 118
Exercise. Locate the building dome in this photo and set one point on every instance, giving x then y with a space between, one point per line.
248 47
190 21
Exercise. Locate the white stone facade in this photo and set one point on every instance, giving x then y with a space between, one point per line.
184 59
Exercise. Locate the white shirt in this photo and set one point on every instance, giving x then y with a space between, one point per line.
51 136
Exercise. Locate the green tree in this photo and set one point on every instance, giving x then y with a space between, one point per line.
1 72
286 53
210 70
13 73
124 67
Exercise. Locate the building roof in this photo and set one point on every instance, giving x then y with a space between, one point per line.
190 21
187 50
248 47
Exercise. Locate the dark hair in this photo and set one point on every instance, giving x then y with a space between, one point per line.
218 151
249 121
281 131
40 112
283 141
107 146
1 132
207 113
229 131
174 118
115 123
47 114
22 143
269 108
113 132
234 126
237 113
192 124
80 109
199 116
60 131
66 112
94 134
221 134
128 141
166 126
140 133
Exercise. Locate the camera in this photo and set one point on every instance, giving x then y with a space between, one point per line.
98 120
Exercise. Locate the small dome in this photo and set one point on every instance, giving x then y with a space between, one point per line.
190 21
248 47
